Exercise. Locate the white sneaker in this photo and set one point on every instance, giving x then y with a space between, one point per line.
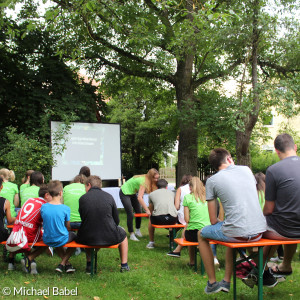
275 259
138 233
33 268
77 251
133 237
216 262
11 267
150 245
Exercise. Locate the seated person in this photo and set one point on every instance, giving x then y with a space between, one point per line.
100 222
162 208
235 186
56 223
30 218
195 213
36 180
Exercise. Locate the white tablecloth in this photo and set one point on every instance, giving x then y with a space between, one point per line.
114 191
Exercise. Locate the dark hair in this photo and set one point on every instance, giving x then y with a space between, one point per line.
94 181
217 157
205 179
43 190
162 183
284 142
36 178
260 181
85 171
1 181
55 187
79 179
27 174
185 179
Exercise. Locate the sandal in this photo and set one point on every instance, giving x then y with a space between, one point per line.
276 271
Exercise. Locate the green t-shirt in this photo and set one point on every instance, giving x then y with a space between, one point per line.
22 188
8 192
199 216
30 192
261 198
72 193
132 186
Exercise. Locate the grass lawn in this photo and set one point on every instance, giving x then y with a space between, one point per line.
153 276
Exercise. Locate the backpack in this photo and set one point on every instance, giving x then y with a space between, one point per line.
17 241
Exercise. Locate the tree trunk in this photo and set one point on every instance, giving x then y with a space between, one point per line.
243 137
188 134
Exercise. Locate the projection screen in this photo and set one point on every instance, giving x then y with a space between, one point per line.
96 145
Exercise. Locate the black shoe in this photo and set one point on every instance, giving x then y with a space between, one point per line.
268 279
124 269
26 264
60 268
69 269
174 254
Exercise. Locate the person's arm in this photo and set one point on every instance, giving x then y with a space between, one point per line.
221 212
269 207
177 198
16 200
151 208
212 208
141 200
10 219
186 212
67 223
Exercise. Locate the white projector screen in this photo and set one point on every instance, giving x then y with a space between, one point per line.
95 145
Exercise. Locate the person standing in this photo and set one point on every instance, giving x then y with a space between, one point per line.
137 184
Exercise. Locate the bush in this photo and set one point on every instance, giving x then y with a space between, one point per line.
262 160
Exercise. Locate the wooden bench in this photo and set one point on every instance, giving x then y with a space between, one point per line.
73 244
257 251
172 233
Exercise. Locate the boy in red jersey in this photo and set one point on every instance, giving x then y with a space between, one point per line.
30 218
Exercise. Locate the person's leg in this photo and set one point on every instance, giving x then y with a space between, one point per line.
286 265
137 208
151 231
207 258
192 255
123 249
37 251
228 264
126 201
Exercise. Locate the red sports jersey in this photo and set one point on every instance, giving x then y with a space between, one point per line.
30 217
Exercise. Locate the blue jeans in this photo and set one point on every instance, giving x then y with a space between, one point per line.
215 232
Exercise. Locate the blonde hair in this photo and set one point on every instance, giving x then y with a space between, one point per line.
197 189
7 174
150 184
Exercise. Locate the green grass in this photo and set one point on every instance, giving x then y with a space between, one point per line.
153 276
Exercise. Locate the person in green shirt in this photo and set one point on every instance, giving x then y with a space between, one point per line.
195 213
10 190
25 183
36 180
137 184
71 194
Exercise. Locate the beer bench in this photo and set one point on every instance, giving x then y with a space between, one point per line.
73 244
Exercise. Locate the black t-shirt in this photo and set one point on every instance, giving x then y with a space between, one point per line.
283 187
3 231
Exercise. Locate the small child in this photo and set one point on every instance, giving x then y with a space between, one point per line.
56 223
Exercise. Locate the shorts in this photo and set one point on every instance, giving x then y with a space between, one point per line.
191 235
75 225
163 220
272 234
215 232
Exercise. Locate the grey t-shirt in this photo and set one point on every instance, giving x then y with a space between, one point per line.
235 186
163 201
283 187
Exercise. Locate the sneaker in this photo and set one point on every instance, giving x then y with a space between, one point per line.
60 268
174 254
216 262
25 262
133 237
124 269
77 251
33 268
69 269
138 233
225 286
212 288
11 267
268 279
150 245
